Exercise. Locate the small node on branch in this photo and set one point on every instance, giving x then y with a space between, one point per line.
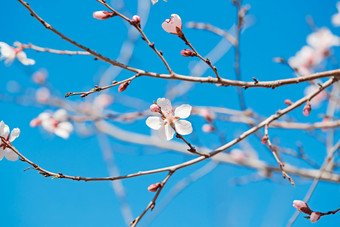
255 80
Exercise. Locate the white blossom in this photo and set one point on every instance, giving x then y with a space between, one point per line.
170 120
322 40
305 59
10 53
4 134
54 123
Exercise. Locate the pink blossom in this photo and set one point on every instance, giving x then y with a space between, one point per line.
302 207
43 95
136 20
238 155
154 187
39 77
305 60
208 115
123 86
315 216
102 101
307 109
102 15
187 53
10 53
173 25
155 1
208 128
155 108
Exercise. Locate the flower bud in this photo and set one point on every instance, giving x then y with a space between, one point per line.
302 207
307 109
155 108
123 86
154 187
208 128
264 139
187 53
136 20
39 77
102 15
35 122
315 216
288 102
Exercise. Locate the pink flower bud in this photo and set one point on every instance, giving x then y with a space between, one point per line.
307 109
315 216
155 108
154 187
35 122
288 102
208 128
264 139
123 86
302 207
187 53
136 20
325 120
102 15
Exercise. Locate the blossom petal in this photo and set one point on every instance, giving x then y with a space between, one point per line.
67 126
154 122
2 154
14 134
7 52
166 132
154 1
165 106
10 155
183 111
22 57
48 125
62 133
183 127
4 130
60 115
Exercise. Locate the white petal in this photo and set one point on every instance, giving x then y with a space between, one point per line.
177 20
60 115
14 134
169 27
166 132
62 133
154 1
183 111
67 126
165 106
183 127
22 57
7 52
48 125
154 122
44 116
10 155
4 130
2 153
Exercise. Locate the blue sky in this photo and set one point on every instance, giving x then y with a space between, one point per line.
279 29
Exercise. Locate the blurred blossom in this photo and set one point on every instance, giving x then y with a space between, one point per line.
336 17
155 1
238 155
208 128
42 95
4 134
304 60
322 40
319 98
54 123
13 86
9 53
102 101
168 120
39 77
207 114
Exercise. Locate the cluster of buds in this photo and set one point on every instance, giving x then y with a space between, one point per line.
304 208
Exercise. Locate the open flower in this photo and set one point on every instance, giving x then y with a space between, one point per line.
169 121
322 40
4 134
173 25
10 53
56 123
